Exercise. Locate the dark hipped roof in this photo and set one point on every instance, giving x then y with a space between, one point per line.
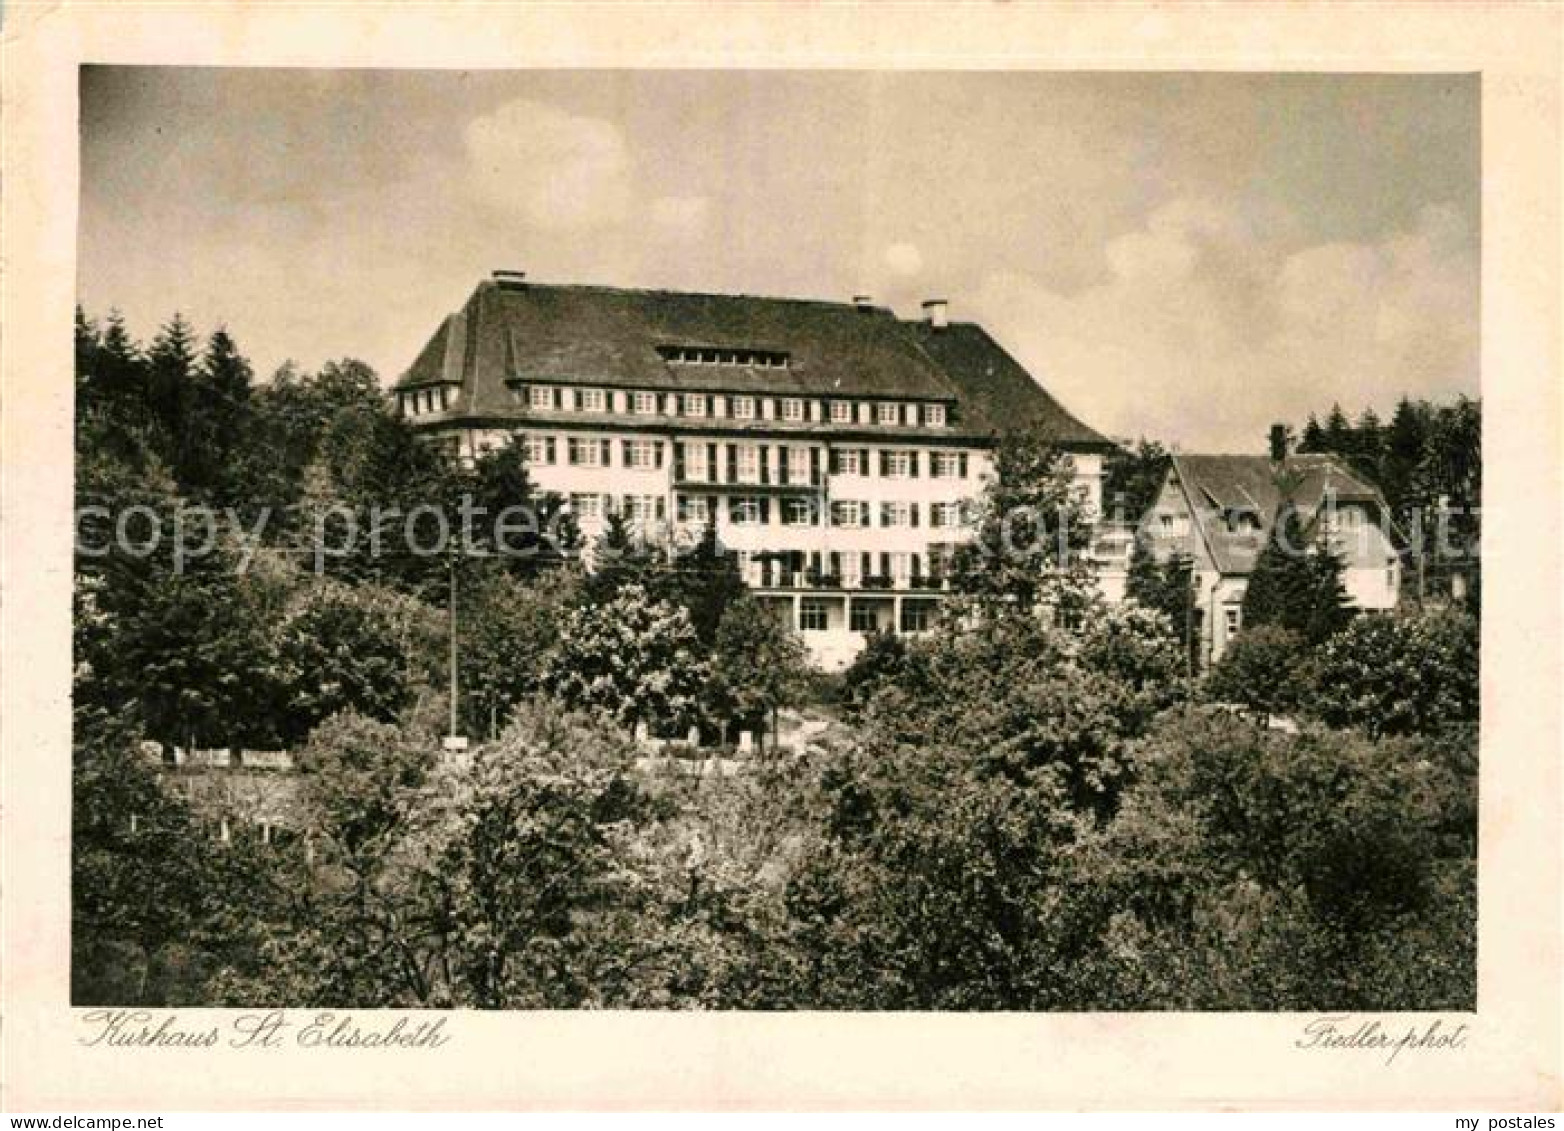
610 337
1218 484
994 388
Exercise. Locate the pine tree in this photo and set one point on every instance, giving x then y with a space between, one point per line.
221 420
1330 609
1368 437
1143 585
1403 452
1338 432
171 362
1313 436
1282 584
705 581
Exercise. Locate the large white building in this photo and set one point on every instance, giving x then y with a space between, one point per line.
838 447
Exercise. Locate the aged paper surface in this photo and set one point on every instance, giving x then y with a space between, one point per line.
812 1061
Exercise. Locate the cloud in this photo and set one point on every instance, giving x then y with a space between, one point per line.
1206 328
904 259
559 170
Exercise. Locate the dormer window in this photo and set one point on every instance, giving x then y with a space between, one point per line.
888 413
792 409
743 408
934 415
590 400
693 404
540 397
841 412
704 355
645 404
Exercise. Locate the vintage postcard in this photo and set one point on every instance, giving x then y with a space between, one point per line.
741 556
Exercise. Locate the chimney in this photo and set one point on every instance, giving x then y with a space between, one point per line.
864 303
1280 440
510 280
936 312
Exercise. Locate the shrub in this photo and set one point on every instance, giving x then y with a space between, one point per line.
1264 669
1391 674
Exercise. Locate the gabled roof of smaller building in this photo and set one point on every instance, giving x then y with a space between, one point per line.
1222 486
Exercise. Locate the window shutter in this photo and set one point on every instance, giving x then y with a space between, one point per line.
765 512
835 462
765 463
885 463
934 514
608 453
864 466
733 463
678 459
814 467
885 514
662 508
863 514
962 460
913 459
784 464
885 564
711 463
865 565
559 397
548 446
624 453
658 454
912 509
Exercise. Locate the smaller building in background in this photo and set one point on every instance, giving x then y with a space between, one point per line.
1218 509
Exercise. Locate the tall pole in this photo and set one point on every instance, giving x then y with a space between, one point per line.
451 561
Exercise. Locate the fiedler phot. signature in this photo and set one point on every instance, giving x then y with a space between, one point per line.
1344 1031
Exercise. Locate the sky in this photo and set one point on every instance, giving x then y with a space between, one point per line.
1187 257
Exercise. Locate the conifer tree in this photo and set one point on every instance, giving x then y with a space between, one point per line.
1313 439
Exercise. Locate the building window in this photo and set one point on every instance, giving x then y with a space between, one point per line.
798 465
841 412
945 465
695 461
585 452
895 514
798 512
693 404
540 397
947 515
586 508
640 453
693 508
744 511
641 508
743 408
1235 617
812 616
896 465
539 449
888 413
792 409
849 461
915 616
846 513
644 404
862 617
590 400
934 415
749 463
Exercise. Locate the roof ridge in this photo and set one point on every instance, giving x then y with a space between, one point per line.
609 288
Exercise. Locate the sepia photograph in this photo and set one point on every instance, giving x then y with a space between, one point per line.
765 540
